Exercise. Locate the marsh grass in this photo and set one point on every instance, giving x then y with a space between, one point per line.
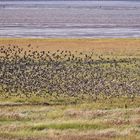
70 115
70 121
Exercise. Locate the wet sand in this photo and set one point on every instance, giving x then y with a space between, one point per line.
70 19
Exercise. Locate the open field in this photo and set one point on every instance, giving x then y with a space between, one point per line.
102 120
71 89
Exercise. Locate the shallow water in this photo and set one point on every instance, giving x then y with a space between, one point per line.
85 19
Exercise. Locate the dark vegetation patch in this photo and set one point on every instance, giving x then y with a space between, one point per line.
65 126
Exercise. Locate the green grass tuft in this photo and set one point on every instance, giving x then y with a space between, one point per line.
65 126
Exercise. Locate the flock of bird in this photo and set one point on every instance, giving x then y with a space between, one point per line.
60 73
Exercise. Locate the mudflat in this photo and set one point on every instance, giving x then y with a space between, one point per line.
70 19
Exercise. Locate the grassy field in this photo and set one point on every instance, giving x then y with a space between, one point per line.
102 120
107 115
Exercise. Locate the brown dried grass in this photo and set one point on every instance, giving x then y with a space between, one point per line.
130 46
